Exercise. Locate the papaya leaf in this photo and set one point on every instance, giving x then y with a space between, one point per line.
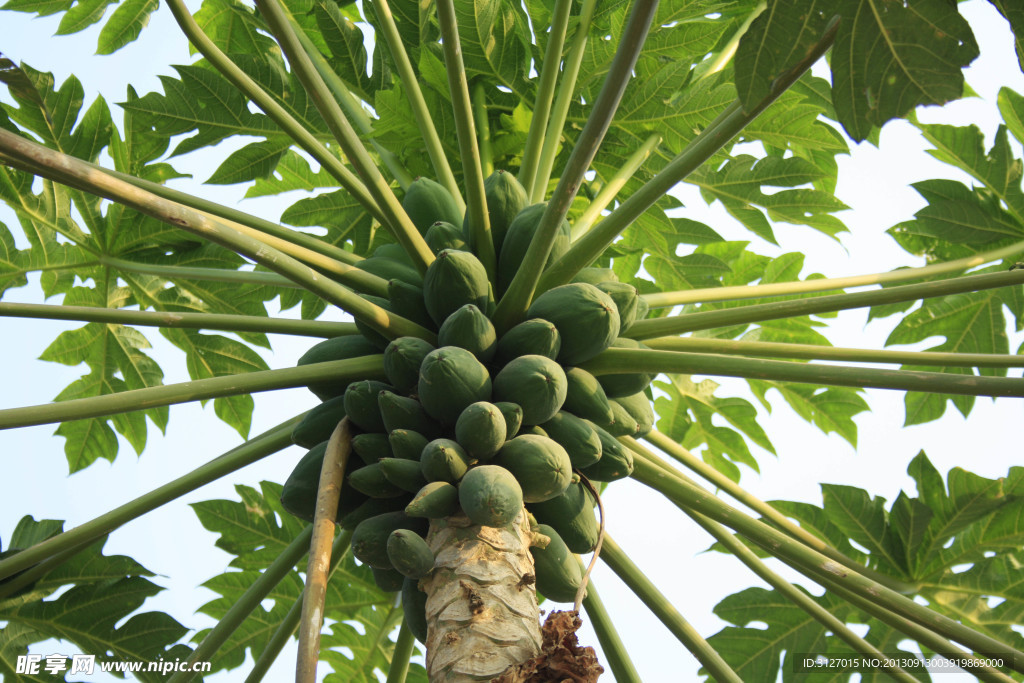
1014 14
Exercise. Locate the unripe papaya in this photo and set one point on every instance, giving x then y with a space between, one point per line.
371 335
370 537
371 446
443 235
298 495
623 423
586 318
392 251
402 360
427 202
444 460
335 348
388 580
405 474
390 269
371 507
319 423
639 408
518 238
490 496
414 605
410 554
576 436
435 500
481 430
469 329
539 464
407 301
400 412
584 397
361 404
450 379
454 279
370 480
558 572
642 309
407 444
506 197
616 460
531 337
513 415
595 276
626 298
536 383
625 383
571 514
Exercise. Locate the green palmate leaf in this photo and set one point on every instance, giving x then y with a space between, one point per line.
365 635
98 612
343 217
125 24
348 49
234 28
831 409
494 38
686 415
891 57
1015 15
82 16
254 161
295 174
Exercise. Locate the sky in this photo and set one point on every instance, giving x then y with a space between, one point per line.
172 543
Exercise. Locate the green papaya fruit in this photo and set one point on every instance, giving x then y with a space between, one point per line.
616 460
392 251
409 554
513 415
642 309
387 579
390 269
371 507
558 571
437 499
481 430
298 495
370 537
490 496
638 406
407 444
518 238
469 329
427 202
626 298
576 436
414 605
450 379
506 197
454 279
361 404
401 412
444 460
370 480
534 337
335 348
407 301
539 464
536 383
371 335
371 447
571 514
405 474
623 423
319 423
402 360
625 383
584 397
444 235
586 318
595 276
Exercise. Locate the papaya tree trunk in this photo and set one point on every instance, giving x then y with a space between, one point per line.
482 613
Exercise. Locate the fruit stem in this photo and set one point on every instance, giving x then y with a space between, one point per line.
607 193
195 321
716 135
271 441
420 112
520 292
70 171
395 220
617 361
283 565
655 601
367 367
560 109
404 646
480 238
812 563
332 474
816 352
692 296
273 109
703 320
545 95
611 644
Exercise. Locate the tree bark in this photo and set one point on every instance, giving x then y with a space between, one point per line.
482 613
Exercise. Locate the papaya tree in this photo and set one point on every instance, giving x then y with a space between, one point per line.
504 304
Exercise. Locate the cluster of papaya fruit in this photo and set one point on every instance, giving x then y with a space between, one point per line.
480 424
